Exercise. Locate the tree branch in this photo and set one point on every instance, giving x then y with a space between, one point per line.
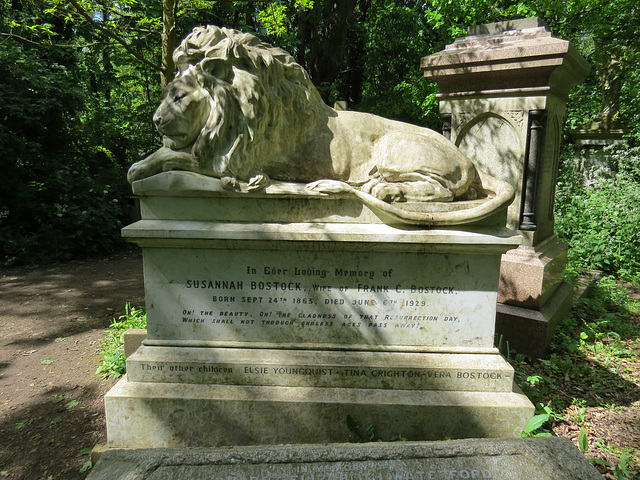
42 44
105 31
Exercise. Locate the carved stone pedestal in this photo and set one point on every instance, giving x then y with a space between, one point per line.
272 330
503 93
532 298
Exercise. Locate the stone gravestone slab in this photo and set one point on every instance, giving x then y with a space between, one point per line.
356 306
331 327
503 459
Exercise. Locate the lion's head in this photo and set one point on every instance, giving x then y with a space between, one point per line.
183 112
237 102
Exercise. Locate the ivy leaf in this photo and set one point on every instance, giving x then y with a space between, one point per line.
583 440
536 422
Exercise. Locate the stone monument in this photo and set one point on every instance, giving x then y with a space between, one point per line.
303 285
505 459
503 92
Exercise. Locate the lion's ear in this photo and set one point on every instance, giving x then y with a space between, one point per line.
218 68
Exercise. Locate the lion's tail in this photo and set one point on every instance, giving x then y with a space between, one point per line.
501 195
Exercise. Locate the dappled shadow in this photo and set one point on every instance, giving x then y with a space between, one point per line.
365 301
51 328
50 437
85 285
592 359
42 304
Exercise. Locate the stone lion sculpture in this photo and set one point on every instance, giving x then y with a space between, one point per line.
243 111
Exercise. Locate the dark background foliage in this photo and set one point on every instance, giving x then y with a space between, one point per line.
79 82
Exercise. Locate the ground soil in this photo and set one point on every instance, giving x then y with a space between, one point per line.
52 322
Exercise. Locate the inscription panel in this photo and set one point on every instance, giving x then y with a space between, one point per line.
503 459
411 469
407 378
320 299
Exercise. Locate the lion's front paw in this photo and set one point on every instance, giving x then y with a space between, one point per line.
258 181
143 169
230 183
329 186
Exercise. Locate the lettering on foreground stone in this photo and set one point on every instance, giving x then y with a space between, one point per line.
497 459
241 110
383 299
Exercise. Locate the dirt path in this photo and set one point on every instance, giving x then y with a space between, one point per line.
52 322
51 326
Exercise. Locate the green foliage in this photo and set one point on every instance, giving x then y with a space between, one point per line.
72 122
81 81
361 434
113 361
393 85
586 369
534 424
601 221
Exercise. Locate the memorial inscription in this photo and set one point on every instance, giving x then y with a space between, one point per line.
382 470
504 459
447 377
378 300
278 311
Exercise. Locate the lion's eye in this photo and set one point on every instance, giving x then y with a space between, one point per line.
179 96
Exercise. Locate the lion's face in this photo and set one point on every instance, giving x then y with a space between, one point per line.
183 112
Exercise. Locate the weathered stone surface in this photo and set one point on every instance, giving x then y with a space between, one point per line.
306 368
335 298
273 331
530 275
158 415
530 331
513 56
254 114
133 338
496 85
188 196
503 93
514 459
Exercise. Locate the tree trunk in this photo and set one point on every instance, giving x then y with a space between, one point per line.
611 80
169 17
328 47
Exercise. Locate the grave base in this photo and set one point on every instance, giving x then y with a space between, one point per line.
282 316
158 415
530 331
507 459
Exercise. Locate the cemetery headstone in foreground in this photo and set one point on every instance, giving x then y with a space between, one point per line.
503 459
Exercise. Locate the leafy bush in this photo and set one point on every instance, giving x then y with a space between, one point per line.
600 219
113 361
59 199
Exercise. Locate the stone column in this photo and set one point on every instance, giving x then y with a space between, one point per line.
503 93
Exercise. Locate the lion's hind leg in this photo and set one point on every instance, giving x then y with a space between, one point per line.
385 191
427 190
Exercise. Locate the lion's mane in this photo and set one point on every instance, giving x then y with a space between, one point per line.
258 93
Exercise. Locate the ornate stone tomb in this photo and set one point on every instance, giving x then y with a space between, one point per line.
289 313
273 332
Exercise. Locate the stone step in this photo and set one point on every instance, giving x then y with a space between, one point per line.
306 368
161 415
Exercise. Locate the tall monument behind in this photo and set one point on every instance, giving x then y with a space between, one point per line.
503 93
